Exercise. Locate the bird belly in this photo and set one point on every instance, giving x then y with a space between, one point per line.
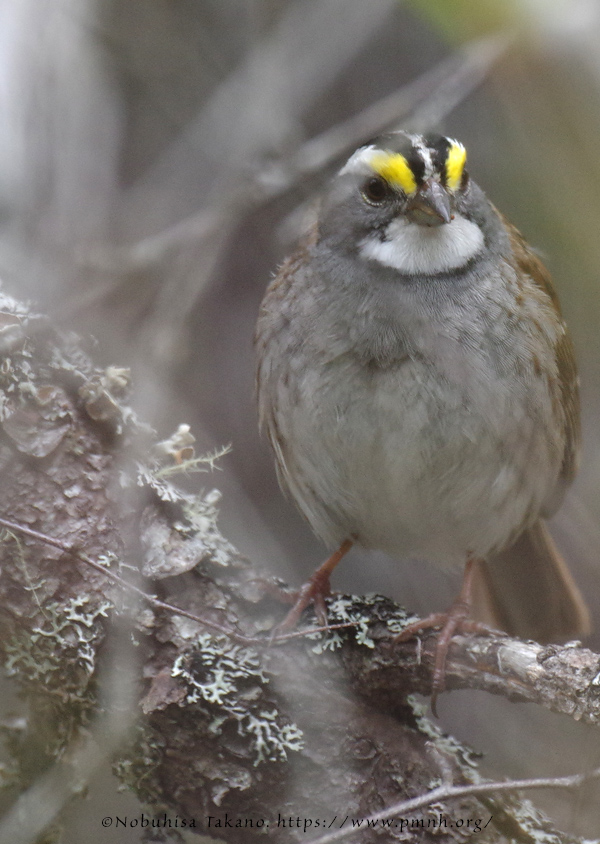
416 466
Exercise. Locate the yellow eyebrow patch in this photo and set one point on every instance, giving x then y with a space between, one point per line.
395 169
455 165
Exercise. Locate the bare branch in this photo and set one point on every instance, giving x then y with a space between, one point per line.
153 601
445 793
422 104
115 578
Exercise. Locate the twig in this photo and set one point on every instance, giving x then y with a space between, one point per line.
155 602
563 679
478 58
434 94
446 792
429 99
163 605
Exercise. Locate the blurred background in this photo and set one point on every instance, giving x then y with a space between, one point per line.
157 160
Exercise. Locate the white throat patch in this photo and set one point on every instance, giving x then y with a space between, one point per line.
415 249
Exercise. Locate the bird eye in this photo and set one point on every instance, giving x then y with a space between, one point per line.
375 190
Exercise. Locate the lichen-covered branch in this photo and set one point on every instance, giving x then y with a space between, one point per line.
231 731
564 679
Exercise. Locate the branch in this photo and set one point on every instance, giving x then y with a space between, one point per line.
423 103
448 792
419 105
97 540
229 632
564 679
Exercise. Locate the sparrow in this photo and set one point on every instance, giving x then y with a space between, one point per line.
418 386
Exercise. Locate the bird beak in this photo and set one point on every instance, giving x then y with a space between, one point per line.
430 206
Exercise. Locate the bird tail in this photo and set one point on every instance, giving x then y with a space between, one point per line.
529 592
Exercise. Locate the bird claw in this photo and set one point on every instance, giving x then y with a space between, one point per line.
456 620
314 591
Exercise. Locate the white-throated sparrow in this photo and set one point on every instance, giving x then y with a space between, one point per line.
418 384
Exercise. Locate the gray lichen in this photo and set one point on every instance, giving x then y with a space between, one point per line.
60 652
226 680
358 611
55 664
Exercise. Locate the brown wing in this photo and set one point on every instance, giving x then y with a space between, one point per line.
528 262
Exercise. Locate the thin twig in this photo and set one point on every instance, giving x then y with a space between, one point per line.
163 605
446 792
478 58
426 101
155 602
422 104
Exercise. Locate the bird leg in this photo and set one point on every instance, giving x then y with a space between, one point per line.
456 620
316 589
